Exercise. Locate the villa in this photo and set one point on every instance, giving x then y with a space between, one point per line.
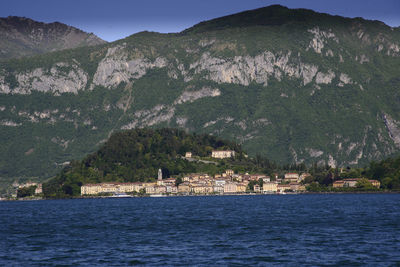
222 154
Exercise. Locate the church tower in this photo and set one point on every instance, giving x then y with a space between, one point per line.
159 175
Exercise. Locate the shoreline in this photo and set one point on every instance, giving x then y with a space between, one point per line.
208 195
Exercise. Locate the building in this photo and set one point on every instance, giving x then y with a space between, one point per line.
218 189
202 189
230 188
292 177
375 183
301 188
241 187
184 188
38 189
256 177
90 189
172 189
159 175
283 187
295 186
222 154
94 189
150 189
270 187
220 182
168 181
137 186
352 182
304 176
339 183
266 179
160 189
229 172
188 155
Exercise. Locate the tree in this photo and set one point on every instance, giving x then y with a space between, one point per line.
26 191
178 181
364 184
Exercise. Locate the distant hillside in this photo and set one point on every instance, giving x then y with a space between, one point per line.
25 37
136 155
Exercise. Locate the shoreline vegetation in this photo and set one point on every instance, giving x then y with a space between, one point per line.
205 164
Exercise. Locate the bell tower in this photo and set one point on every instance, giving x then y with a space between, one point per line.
159 175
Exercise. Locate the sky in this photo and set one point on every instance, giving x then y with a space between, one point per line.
115 19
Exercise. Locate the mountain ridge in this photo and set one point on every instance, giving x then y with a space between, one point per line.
21 36
273 15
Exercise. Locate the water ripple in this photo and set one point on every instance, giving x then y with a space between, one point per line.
290 230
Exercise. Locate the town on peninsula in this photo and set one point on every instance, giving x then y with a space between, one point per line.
226 183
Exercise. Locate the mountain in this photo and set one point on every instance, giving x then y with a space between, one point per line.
21 37
290 84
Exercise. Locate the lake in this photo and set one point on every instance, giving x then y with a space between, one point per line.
332 229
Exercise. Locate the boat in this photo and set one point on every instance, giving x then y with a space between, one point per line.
120 195
157 195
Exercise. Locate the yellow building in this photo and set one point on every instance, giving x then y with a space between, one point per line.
230 172
292 177
184 188
150 190
270 187
90 189
94 189
282 187
301 188
337 184
294 186
230 188
137 187
352 182
375 183
241 187
160 189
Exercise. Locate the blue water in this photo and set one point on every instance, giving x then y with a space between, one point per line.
232 230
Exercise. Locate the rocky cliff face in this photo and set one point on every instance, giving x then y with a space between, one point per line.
25 37
323 90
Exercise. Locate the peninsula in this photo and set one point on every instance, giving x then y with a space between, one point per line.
169 161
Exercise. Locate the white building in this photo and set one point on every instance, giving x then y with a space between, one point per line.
222 154
220 182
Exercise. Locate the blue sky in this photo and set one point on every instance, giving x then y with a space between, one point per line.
116 19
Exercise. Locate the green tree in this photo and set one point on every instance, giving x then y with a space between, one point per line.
178 181
364 184
26 191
